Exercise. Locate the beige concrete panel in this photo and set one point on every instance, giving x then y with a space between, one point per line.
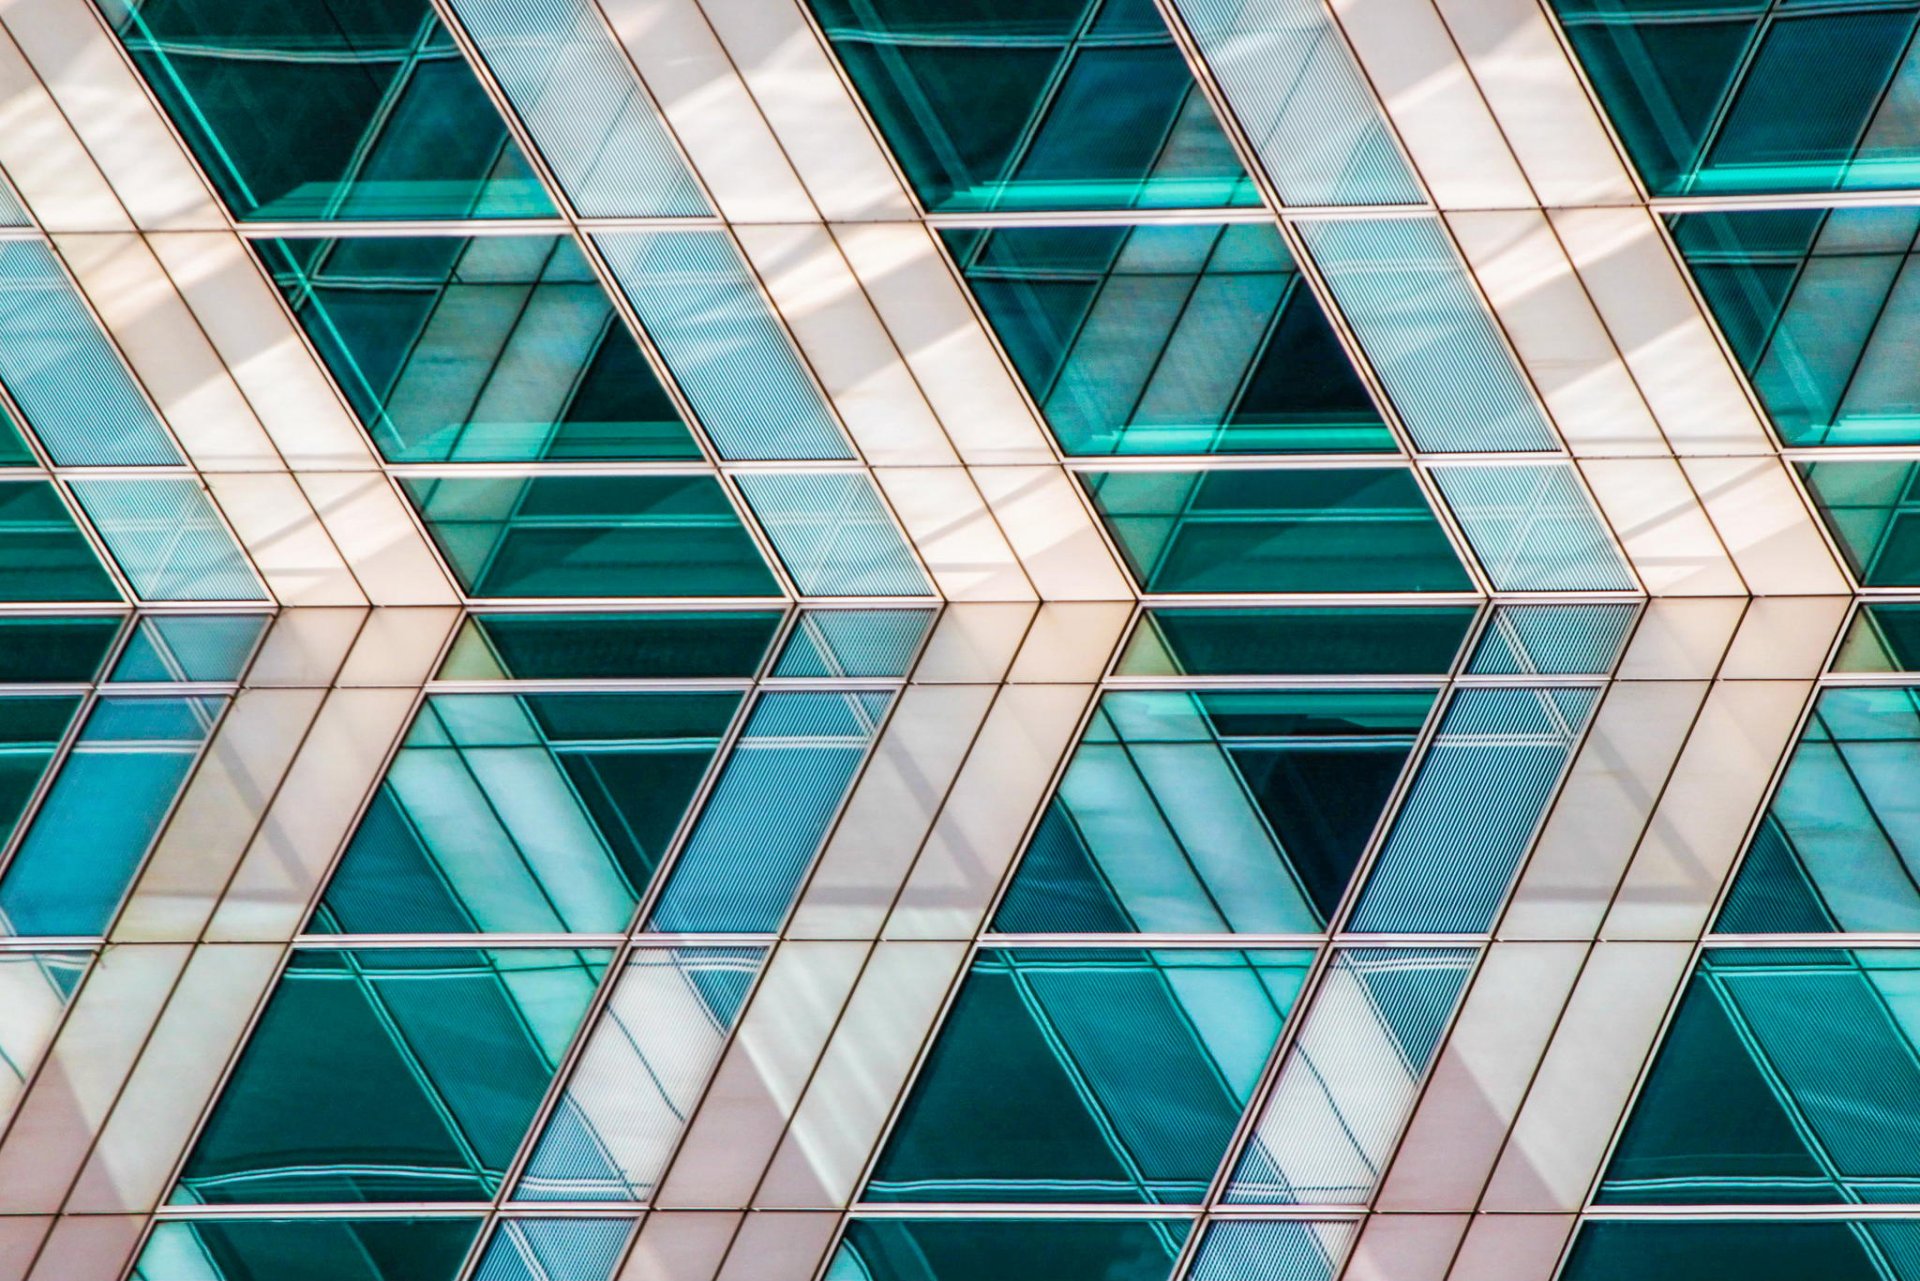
1053 533
1681 639
89 1248
948 522
1786 637
1662 527
1773 537
973 642
284 537
1405 1247
305 647
1512 1247
780 1247
370 524
43 156
400 647
20 1238
678 1245
1071 642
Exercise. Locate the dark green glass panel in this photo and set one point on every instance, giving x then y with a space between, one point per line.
591 536
388 1249
31 729
1170 340
1229 811
1823 309
309 109
1307 641
13 448
35 650
482 349
527 814
391 1075
680 645
1008 1249
1345 529
1034 1089
1873 509
1747 96
1036 104
43 554
1881 638
1746 1250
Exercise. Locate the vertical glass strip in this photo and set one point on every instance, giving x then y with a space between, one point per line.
833 534
167 538
1533 528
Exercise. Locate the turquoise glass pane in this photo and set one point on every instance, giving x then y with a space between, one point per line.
1346 529
330 1249
189 647
43 554
591 535
1747 96
1787 1076
554 1250
14 451
1034 1088
1008 1249
1745 1250
1457 841
64 374
1883 637
641 1075
51 648
391 1075
1219 811
1533 528
1271 1250
1872 508
31 730
478 349
1384 640
167 538
667 645
310 109
79 856
1036 104
525 814
770 811
833 534
853 642
1170 340
1552 640
1351 1076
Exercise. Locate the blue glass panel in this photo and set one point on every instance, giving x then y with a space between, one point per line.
1454 848
1745 1250
1008 1249
189 647
777 796
167 538
63 373
1552 640
43 554
854 642
554 1250
833 534
1374 640
79 856
1533 528
656 645
705 313
1271 1250
326 1249
1872 507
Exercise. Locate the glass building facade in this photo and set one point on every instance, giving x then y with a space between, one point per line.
959 640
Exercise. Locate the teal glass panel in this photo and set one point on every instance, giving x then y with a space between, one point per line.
1384 640
44 649
1822 308
1170 340
14 451
1789 1075
833 534
579 98
565 536
1219 811
853 642
641 1074
330 1249
64 374
391 1075
32 728
1286 72
705 313
1457 842
1839 846
1347 529
79 856
1872 507
554 1250
1008 1249
1034 1089
478 349
313 109
525 814
1414 309
1552 640
1351 1076
666 645
189 647
1271 1250
1883 637
35 990
1018 104
1750 96
167 538
43 554
1745 1250
1533 528
770 811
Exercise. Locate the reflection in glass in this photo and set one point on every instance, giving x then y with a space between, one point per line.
167 539
43 554
663 644
1533 528
832 533
1883 637
32 727
1272 1250
328 1249
1008 1249
1307 640
1552 640
44 648
554 1250
189 647
1872 507
1746 1250
853 642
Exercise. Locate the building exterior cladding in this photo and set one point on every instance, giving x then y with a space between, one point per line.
1224 640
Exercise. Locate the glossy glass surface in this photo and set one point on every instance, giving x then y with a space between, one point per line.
669 644
1034 1091
833 533
1553 640
1873 508
391 1075
312 109
1533 528
1277 530
1883 637
1008 1249
41 648
330 1249
554 1250
43 554
1746 1250
32 727
1296 641
1272 1250
1170 340
1036 104
481 349
167 538
1217 811
853 642
189 647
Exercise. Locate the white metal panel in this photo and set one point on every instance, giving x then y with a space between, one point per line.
1767 528
1662 526
94 1248
1405 1247
284 538
780 1247
949 524
369 523
1053 533
43 156
305 646
1512 1247
680 1245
